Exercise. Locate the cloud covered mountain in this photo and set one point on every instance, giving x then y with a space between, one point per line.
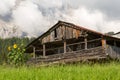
37 16
9 30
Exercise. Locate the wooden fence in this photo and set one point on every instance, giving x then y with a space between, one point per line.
93 53
73 47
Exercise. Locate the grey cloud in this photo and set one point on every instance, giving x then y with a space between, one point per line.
108 7
36 16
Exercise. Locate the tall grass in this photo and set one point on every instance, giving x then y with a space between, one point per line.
109 71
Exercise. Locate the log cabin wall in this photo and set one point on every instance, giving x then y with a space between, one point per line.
72 45
71 39
75 39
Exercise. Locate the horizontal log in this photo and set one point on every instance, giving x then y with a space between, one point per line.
94 53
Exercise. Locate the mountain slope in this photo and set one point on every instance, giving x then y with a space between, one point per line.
8 30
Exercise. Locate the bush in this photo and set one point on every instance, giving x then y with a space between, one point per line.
16 55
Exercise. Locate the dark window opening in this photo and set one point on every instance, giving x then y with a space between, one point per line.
117 44
110 42
55 31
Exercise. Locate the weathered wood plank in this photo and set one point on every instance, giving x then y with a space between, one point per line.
86 44
44 50
65 47
34 56
103 43
74 33
52 36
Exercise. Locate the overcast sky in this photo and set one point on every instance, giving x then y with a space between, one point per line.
36 16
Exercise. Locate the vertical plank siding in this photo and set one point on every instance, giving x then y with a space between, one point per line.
62 32
52 36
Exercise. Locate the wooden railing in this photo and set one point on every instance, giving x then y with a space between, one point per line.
95 53
74 46
79 52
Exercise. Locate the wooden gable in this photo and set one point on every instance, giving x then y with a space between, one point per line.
62 32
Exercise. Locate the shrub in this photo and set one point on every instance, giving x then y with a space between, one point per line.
16 55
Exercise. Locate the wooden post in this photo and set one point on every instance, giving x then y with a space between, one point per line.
34 56
103 43
65 40
44 51
114 43
85 40
64 46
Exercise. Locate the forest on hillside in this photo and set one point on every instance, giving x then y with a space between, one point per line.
5 43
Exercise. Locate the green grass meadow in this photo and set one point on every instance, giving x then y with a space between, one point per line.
107 71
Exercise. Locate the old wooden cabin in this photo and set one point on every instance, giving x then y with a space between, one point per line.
66 42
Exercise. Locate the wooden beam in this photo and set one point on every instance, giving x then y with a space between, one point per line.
65 40
34 56
103 43
114 43
44 50
85 40
64 46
